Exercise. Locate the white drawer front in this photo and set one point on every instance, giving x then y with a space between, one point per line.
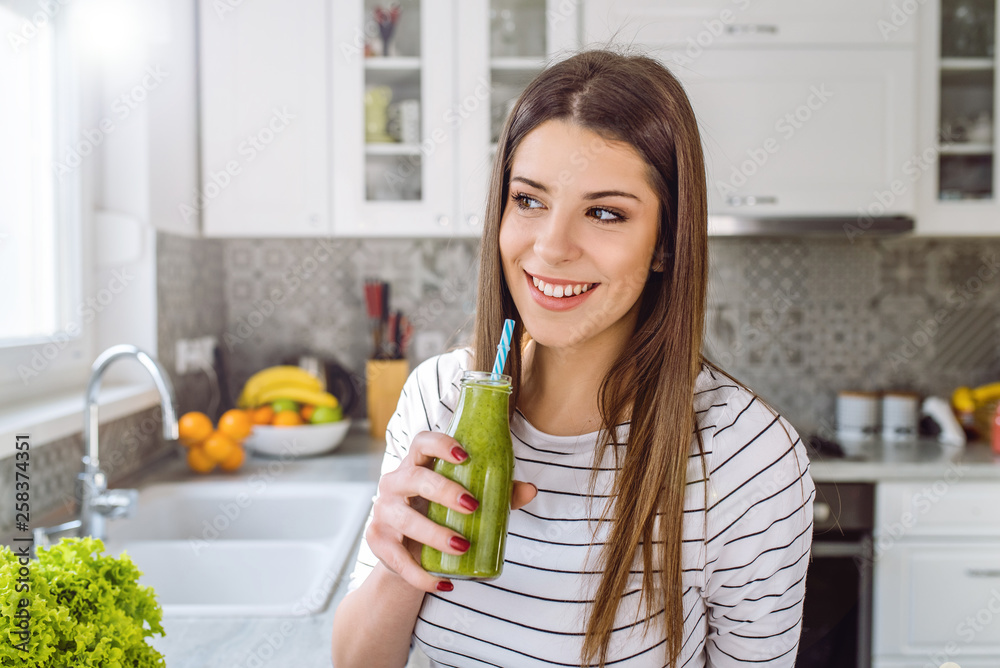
943 507
933 600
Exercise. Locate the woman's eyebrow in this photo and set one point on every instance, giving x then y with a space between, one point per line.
589 196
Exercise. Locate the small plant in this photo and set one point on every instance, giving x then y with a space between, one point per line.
76 606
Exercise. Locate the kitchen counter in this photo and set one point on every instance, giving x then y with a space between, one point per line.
305 641
881 461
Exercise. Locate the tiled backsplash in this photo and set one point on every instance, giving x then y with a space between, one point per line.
796 319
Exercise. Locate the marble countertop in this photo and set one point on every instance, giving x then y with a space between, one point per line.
301 642
882 461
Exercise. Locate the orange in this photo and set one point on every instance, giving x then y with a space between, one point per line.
218 446
235 424
199 461
193 428
234 460
262 415
307 412
287 419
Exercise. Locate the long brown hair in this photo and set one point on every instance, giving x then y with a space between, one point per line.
633 99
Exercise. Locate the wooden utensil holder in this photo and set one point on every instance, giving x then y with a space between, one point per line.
384 379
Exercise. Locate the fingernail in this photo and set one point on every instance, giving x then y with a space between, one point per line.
459 543
459 454
468 502
445 586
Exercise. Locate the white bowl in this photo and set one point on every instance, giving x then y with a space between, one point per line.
301 441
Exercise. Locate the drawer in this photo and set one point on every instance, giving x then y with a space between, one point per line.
942 507
938 600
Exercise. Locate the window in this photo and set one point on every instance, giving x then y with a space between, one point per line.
43 338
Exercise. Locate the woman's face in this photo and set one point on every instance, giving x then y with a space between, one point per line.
580 220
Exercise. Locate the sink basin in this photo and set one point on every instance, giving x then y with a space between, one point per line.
234 549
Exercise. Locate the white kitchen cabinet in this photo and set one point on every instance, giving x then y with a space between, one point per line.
937 573
458 63
701 24
802 132
954 169
264 118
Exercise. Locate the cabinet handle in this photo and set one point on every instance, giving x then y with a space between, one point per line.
444 221
752 29
751 200
982 572
472 220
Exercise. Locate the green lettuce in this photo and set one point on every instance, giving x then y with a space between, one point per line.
86 609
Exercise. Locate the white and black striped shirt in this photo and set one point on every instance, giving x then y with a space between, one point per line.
743 580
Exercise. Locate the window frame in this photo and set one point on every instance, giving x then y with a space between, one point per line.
32 368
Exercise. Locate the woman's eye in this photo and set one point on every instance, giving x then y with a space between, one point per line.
525 202
606 215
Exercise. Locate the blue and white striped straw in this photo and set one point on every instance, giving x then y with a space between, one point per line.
504 347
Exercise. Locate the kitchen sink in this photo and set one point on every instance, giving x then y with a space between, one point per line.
234 549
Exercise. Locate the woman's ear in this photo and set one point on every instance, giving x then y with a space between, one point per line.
657 265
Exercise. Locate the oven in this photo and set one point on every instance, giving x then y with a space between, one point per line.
837 616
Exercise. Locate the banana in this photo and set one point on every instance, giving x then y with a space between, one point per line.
986 393
276 376
963 400
299 394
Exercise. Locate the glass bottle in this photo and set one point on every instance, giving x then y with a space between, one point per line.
480 424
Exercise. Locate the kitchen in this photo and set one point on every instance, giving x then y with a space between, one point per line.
208 154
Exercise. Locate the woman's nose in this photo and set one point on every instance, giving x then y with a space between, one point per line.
555 242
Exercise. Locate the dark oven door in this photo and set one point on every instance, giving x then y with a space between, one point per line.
836 624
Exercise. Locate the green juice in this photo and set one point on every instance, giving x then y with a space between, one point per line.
480 424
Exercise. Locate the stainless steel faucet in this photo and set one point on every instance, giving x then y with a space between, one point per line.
97 502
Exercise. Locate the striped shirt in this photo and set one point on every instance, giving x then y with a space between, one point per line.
744 557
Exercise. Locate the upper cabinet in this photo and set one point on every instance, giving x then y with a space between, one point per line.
420 94
264 118
695 25
806 108
954 168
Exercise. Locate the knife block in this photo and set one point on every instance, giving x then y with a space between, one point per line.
384 380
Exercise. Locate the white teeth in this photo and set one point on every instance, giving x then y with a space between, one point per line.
559 291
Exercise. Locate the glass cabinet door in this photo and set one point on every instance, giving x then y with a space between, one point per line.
393 81
967 92
503 44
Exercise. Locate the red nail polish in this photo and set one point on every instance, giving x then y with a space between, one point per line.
445 586
468 502
459 454
459 543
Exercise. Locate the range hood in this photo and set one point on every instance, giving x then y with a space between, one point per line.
849 227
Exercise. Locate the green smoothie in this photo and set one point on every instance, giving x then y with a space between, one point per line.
480 424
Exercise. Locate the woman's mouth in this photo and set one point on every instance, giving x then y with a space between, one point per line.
558 296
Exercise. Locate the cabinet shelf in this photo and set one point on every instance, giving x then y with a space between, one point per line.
391 148
517 64
401 63
966 149
967 63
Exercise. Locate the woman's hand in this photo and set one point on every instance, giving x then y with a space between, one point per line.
399 524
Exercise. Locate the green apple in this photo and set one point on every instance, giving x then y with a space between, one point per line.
284 405
324 414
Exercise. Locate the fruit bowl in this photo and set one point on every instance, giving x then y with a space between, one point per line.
302 441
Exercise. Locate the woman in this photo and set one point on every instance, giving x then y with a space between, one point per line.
619 551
